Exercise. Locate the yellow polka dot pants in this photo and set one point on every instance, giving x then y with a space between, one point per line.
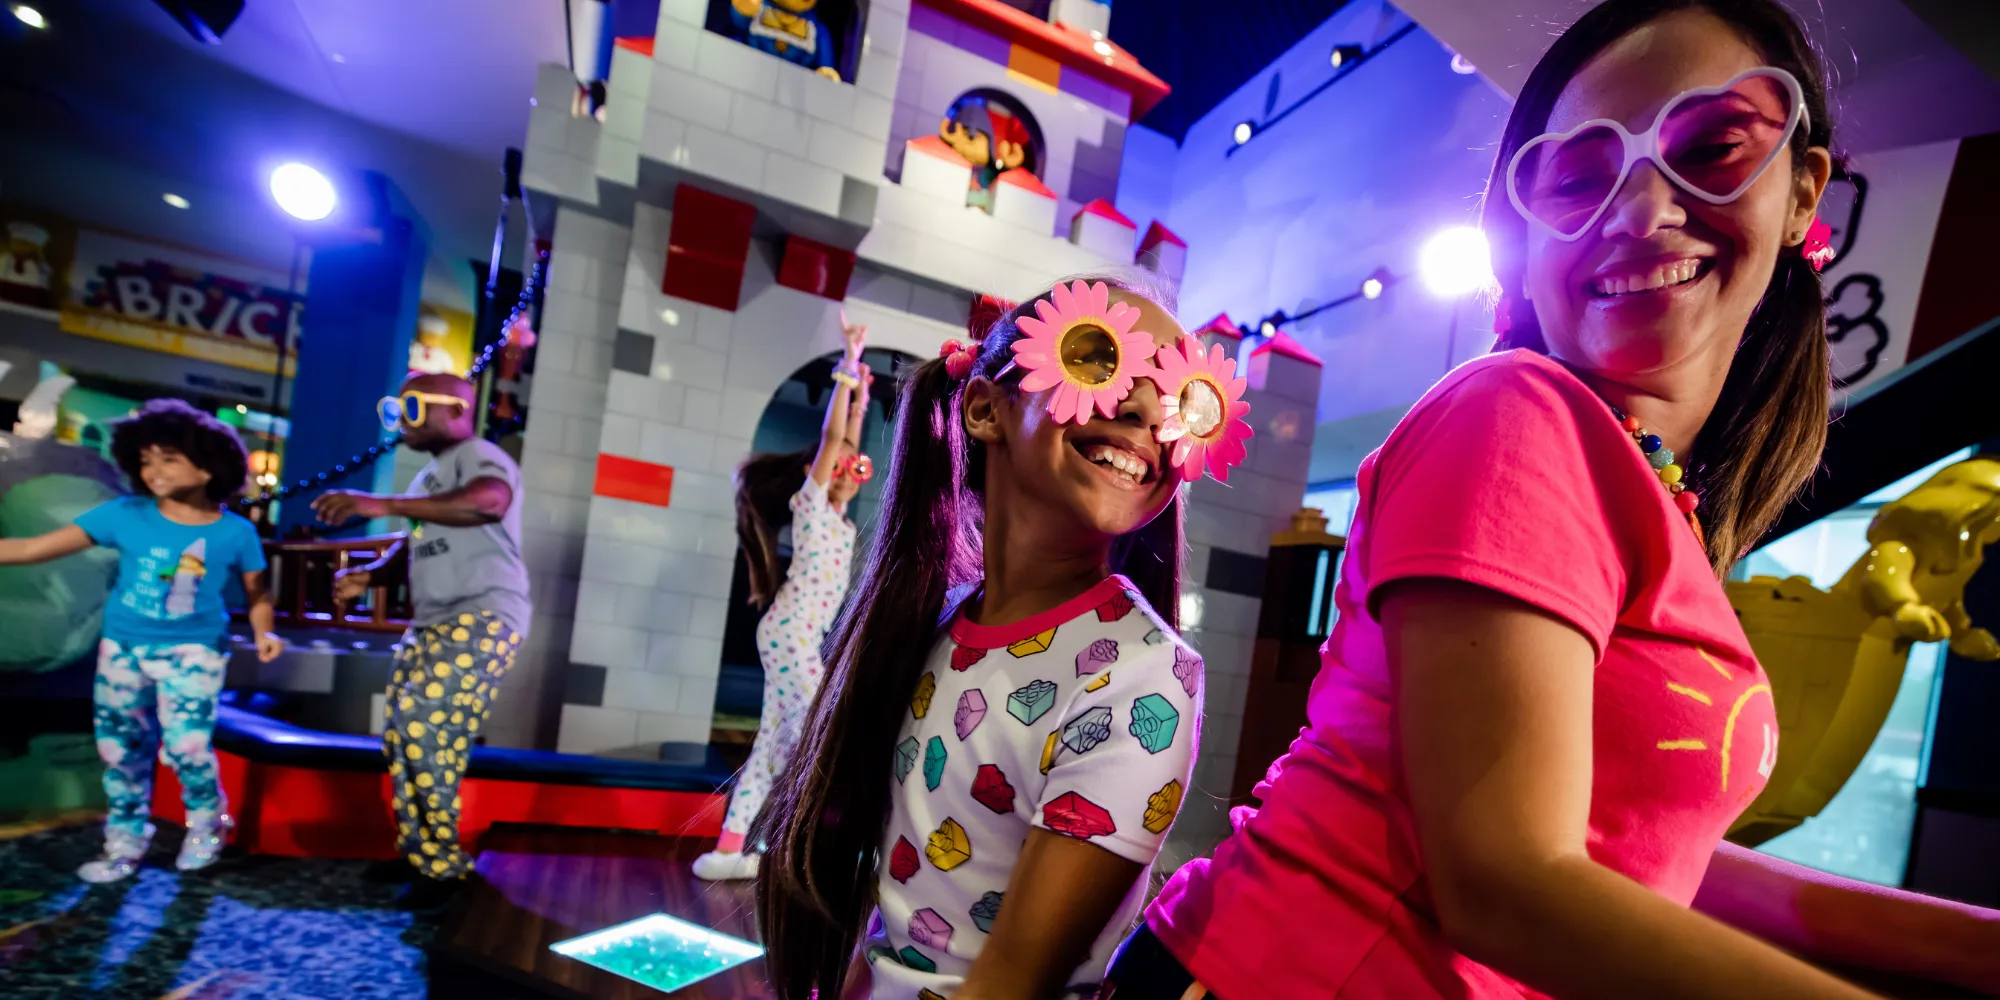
444 682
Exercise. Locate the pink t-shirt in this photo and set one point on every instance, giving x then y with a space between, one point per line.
1510 474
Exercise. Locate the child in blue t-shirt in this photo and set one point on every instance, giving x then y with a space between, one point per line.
160 664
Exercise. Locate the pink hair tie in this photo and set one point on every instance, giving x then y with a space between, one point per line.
958 357
1817 250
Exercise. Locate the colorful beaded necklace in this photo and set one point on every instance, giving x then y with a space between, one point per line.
1661 458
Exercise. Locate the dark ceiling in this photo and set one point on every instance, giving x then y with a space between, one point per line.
1205 49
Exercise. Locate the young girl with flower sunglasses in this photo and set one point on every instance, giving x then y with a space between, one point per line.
1010 720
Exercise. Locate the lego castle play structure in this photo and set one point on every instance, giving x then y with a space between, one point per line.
751 175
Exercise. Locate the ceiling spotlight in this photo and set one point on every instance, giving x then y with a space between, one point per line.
1267 329
1243 132
175 200
1461 65
1377 280
304 193
30 16
1345 55
1456 261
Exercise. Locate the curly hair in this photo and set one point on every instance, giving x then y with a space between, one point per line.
170 423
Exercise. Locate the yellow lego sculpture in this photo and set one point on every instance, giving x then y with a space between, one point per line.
1836 657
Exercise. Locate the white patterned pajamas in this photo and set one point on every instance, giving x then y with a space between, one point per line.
1081 721
788 640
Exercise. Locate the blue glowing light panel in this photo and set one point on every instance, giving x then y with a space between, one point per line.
659 951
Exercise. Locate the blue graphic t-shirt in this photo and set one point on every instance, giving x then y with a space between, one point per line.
171 576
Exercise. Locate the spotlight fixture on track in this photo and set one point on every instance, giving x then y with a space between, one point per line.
1377 280
1344 55
1243 132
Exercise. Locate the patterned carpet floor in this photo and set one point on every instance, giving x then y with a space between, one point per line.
247 929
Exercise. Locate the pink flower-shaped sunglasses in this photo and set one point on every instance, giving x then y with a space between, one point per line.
1084 346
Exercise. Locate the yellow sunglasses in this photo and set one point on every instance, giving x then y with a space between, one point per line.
411 408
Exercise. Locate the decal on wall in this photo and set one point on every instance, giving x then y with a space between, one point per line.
1884 211
1854 330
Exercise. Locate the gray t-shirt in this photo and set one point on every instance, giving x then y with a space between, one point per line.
456 570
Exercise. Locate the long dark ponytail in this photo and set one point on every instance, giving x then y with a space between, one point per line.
824 820
1763 439
765 484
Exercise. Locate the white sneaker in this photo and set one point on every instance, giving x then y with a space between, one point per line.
203 844
122 853
717 866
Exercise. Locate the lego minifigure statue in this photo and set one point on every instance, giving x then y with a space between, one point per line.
787 29
993 140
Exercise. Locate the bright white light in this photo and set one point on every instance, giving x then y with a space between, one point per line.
175 200
670 317
240 408
30 16
1244 130
1101 48
1191 609
304 193
1268 329
1371 289
1462 66
1456 261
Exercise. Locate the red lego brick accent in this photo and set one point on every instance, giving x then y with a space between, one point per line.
1070 49
816 268
1157 234
707 247
1103 208
1221 324
931 145
643 46
631 479
1026 181
1283 345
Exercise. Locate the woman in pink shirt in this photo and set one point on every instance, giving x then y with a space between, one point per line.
1538 715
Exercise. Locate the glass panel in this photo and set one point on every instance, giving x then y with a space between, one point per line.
660 951
1864 832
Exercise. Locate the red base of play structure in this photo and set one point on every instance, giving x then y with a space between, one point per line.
307 812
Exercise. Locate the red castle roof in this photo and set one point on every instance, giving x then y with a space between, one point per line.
1073 48
1025 180
1103 208
1157 234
